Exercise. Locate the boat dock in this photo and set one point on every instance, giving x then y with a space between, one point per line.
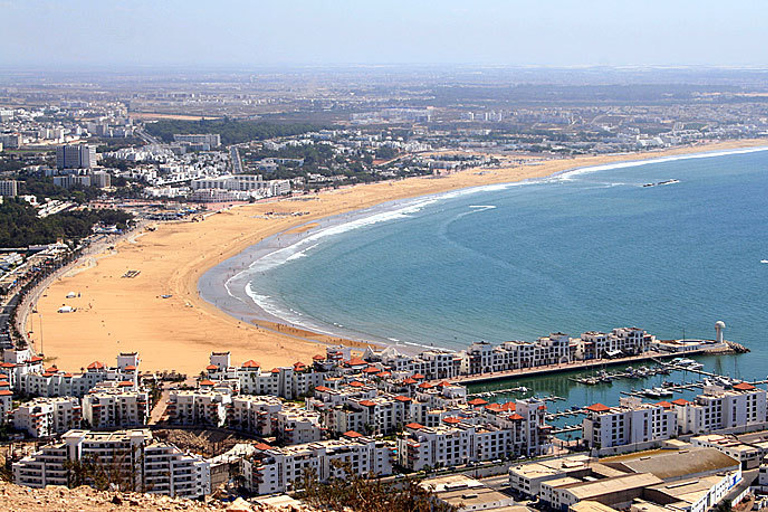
569 367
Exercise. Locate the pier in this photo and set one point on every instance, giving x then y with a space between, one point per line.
574 366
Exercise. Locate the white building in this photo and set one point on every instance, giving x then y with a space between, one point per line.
45 417
632 423
198 407
118 407
272 470
255 414
143 464
716 409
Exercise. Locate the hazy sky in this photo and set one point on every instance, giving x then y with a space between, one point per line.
63 33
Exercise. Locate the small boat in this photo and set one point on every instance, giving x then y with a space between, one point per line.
649 185
663 392
668 182
651 393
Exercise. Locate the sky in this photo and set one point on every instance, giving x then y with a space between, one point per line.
64 34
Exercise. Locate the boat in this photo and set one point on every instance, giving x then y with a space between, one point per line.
663 392
690 364
668 182
651 393
649 185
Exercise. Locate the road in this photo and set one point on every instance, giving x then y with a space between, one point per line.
237 165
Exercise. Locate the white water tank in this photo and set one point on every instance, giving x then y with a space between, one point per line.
719 328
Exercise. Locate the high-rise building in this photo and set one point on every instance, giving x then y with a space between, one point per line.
101 179
9 188
10 140
80 156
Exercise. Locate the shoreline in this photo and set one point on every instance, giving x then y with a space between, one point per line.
223 284
179 332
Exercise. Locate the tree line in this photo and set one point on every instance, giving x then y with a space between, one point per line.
231 131
20 226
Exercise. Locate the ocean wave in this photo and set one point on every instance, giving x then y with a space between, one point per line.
573 173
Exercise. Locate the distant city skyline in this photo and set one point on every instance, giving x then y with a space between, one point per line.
558 33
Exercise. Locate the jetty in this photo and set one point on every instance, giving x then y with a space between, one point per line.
650 355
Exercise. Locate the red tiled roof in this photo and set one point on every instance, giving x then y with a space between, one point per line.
664 404
542 407
125 384
356 384
251 364
6 392
322 388
451 420
318 357
275 370
367 403
4 384
96 365
415 426
211 367
744 386
35 359
681 401
355 361
516 417
130 368
262 446
53 369
444 384
477 401
371 369
402 398
207 383
425 385
409 381
352 434
598 408
384 374
7 365
418 376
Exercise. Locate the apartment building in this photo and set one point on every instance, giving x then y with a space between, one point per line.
9 188
75 156
298 426
633 422
117 407
32 379
430 447
142 464
198 407
744 406
45 417
272 470
255 414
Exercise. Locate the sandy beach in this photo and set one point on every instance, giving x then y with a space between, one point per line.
116 313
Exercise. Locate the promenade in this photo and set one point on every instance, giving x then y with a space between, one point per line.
573 366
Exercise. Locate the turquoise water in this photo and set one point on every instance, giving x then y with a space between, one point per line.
583 251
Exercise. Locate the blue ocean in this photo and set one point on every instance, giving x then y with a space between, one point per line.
590 249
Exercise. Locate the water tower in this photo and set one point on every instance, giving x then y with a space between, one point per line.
719 328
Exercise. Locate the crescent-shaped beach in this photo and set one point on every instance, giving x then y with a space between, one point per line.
160 313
